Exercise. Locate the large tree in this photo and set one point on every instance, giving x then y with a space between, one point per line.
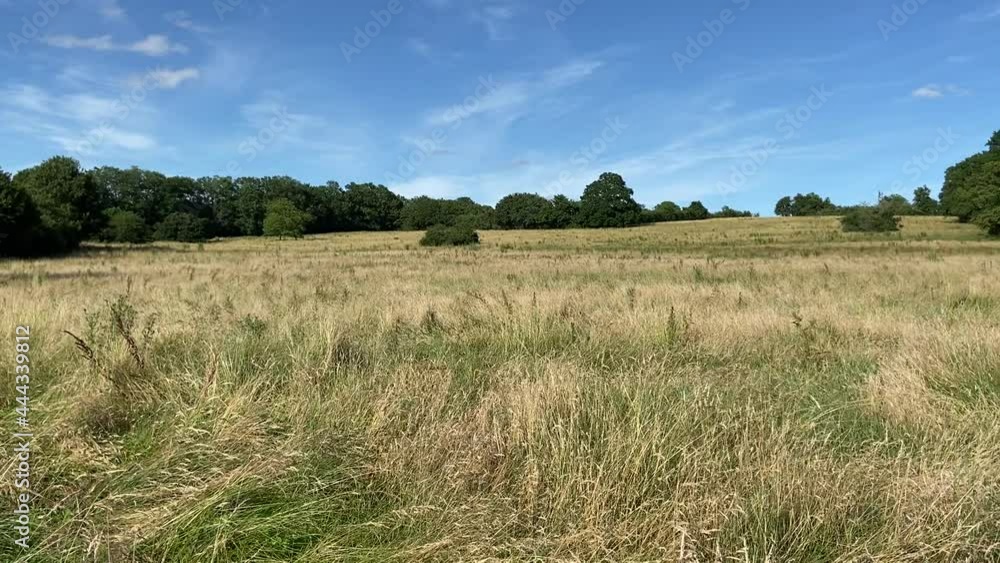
524 211
608 202
972 186
20 221
372 207
784 207
668 211
70 202
696 212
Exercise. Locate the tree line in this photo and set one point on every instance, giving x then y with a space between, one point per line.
971 193
53 207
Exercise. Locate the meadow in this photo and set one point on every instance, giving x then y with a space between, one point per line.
724 390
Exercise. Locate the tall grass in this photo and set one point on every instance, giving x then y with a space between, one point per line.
733 390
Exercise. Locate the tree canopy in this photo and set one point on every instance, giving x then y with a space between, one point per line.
608 202
285 220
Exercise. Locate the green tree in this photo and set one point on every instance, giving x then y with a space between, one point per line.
182 227
812 205
125 226
784 207
989 221
729 213
696 212
565 212
70 202
994 143
668 211
20 222
972 186
285 220
924 203
866 219
896 204
524 211
372 207
608 203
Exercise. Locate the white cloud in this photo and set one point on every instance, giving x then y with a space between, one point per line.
508 100
166 79
930 91
935 91
102 43
183 20
156 46
983 15
111 10
153 45
82 123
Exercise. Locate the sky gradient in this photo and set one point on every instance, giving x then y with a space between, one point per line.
731 102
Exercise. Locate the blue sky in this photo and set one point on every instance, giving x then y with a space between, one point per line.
733 102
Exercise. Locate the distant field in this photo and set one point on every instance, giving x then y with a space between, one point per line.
740 389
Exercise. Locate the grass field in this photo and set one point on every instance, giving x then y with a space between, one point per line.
728 390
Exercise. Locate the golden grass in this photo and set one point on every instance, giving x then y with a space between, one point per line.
727 390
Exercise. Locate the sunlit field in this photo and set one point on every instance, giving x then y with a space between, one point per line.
726 390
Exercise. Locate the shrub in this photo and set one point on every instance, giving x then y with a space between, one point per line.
450 236
990 221
869 220
182 227
285 220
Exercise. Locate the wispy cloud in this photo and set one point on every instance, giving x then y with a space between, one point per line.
183 20
509 99
165 78
936 91
111 10
71 121
982 15
153 45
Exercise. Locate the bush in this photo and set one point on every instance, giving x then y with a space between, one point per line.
285 220
869 220
450 236
989 220
182 227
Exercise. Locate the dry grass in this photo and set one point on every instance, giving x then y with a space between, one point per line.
731 390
